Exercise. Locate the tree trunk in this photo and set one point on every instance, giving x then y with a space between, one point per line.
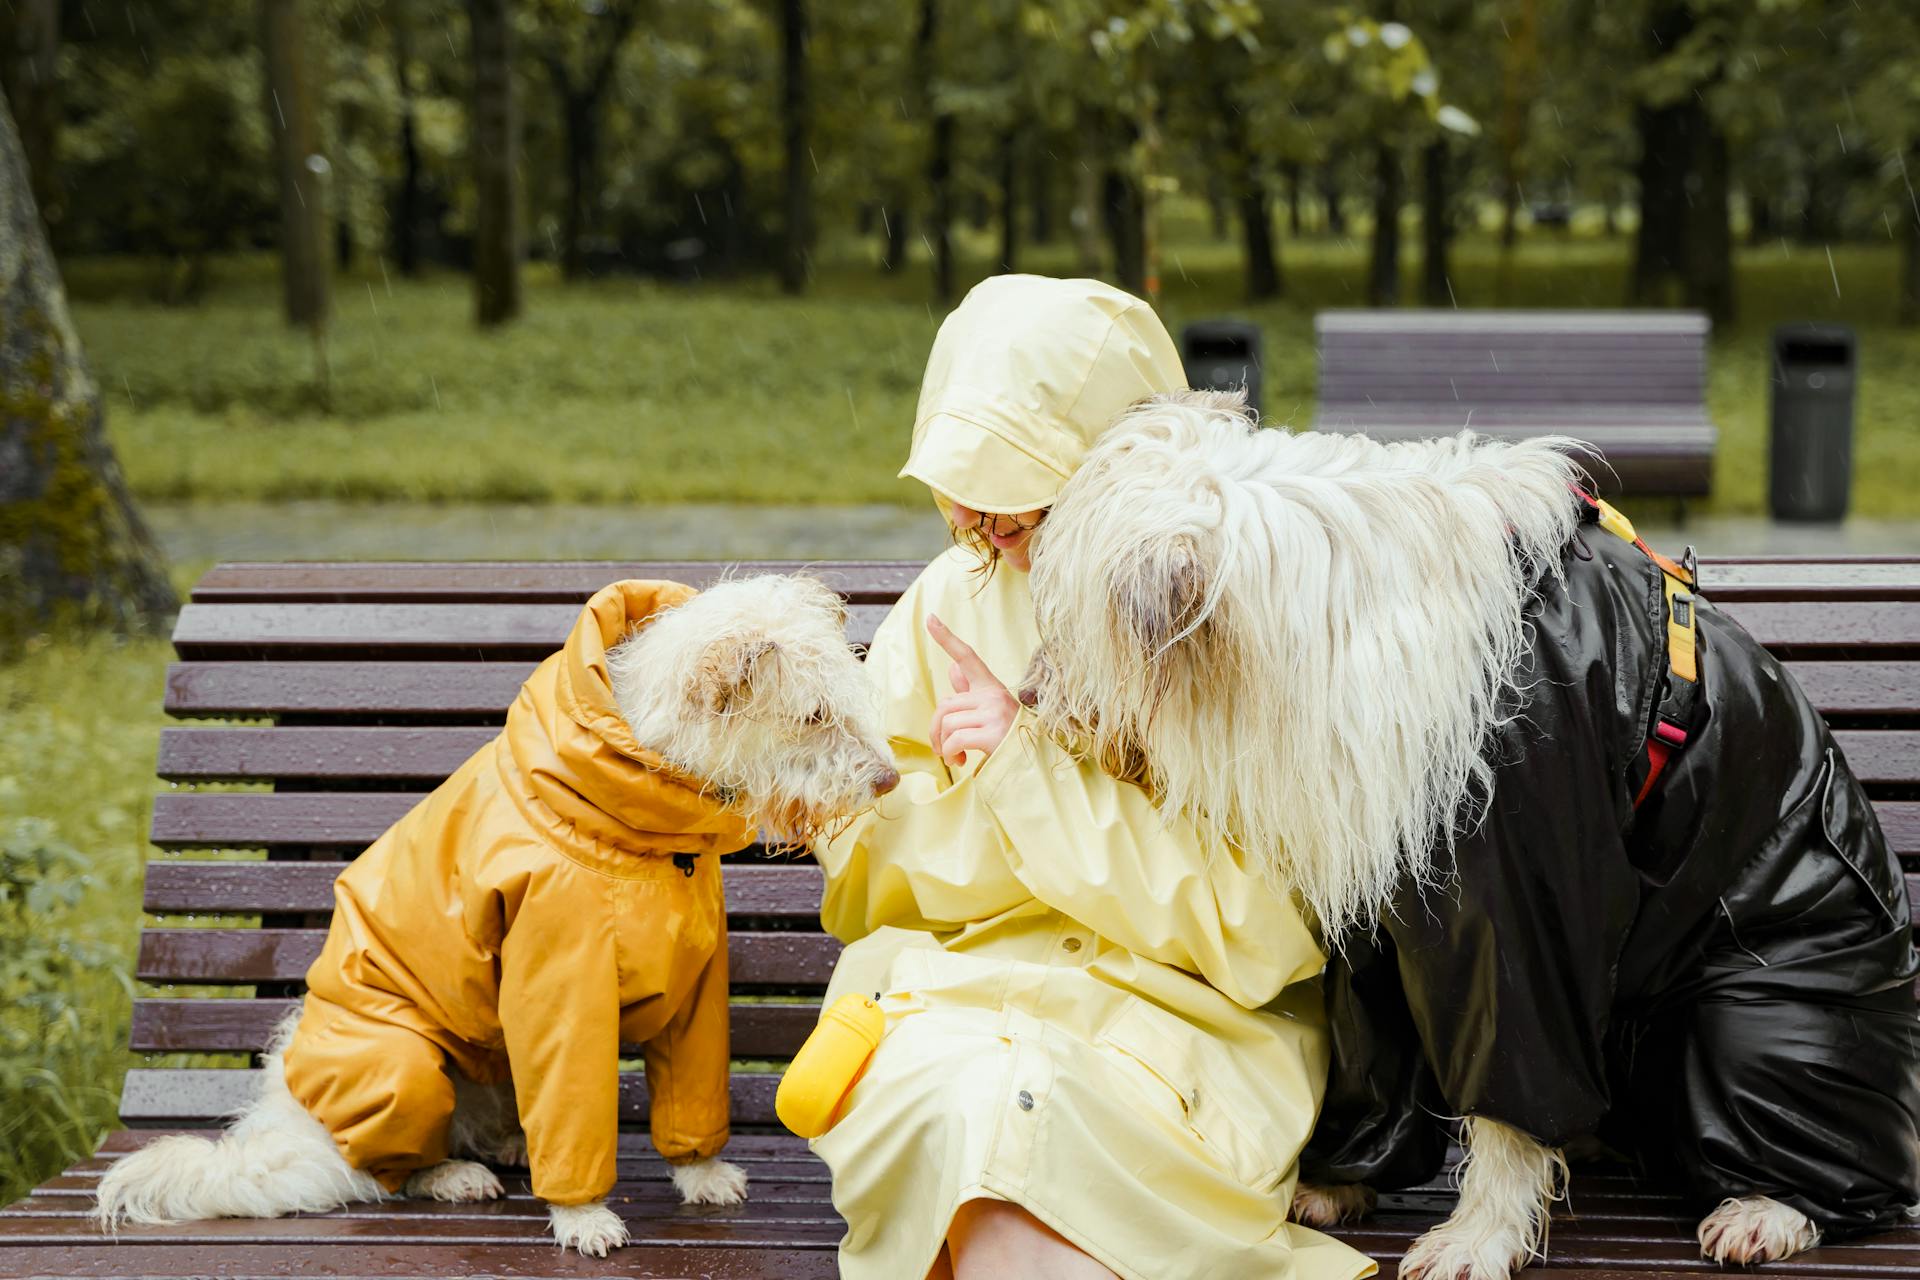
1330 194
796 108
940 185
1684 236
304 275
1039 193
1009 200
896 221
1256 222
1509 213
1293 174
1436 289
495 131
1909 305
1709 259
1383 273
1759 219
29 73
406 222
1121 207
73 551
582 140
1217 216
1088 173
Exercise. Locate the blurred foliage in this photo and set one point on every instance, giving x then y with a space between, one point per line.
82 719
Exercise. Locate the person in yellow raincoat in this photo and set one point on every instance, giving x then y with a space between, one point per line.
531 910
1105 1045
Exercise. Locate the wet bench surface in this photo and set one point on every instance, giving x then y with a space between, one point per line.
358 687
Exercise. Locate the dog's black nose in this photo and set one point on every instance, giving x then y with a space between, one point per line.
887 781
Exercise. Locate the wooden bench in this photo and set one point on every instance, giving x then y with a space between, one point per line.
1630 383
360 686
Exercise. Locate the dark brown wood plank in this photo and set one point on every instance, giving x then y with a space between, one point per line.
760 1031
279 1261
197 1095
523 582
388 753
478 632
343 688
1883 757
1841 690
353 820
648 1229
788 892
746 1148
1793 629
784 959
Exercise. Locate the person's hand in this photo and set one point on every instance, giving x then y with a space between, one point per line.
981 710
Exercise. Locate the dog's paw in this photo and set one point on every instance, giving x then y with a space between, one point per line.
710 1182
456 1182
1466 1251
1329 1204
591 1229
1754 1229
510 1152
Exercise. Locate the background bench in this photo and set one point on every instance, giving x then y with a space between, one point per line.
1630 383
360 686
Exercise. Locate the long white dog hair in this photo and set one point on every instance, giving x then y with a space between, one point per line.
1300 642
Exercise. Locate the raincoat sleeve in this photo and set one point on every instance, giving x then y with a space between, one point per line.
687 1069
1097 850
560 1011
926 856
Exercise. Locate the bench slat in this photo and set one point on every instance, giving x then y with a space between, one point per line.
782 892
522 582
428 755
786 959
249 1260
1625 324
218 1026
195 1095
184 820
484 632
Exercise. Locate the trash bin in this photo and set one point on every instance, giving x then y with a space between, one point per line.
1222 355
1811 459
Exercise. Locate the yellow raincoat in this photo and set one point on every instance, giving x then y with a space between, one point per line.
526 918
1089 1013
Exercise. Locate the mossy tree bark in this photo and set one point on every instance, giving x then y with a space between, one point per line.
29 73
495 126
73 551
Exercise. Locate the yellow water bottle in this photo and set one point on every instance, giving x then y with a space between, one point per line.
828 1065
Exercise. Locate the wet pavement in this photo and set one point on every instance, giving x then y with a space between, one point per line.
350 531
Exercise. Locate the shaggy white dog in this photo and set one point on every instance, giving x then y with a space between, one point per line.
750 686
1301 643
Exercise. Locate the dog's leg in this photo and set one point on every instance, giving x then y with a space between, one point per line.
591 1228
455 1182
486 1124
710 1182
1506 1183
1318 1204
1749 1230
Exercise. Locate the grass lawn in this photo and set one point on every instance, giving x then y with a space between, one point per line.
623 391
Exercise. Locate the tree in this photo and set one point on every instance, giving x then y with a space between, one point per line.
579 45
495 127
73 551
29 70
1684 235
939 150
304 275
795 114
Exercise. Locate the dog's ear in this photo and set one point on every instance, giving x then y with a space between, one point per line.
1160 596
724 678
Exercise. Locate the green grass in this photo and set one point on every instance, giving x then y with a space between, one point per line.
634 392
82 720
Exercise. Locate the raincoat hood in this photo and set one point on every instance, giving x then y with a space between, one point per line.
1024 376
599 794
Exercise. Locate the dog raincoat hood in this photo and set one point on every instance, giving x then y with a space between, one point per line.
1024 376
528 918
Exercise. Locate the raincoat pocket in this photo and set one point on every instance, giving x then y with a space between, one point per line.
1167 1049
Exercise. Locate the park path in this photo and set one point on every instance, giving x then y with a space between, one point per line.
313 530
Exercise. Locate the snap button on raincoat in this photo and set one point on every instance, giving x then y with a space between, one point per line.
524 920
1090 1014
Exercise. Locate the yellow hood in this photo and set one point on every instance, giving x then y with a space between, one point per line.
1024 376
599 793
